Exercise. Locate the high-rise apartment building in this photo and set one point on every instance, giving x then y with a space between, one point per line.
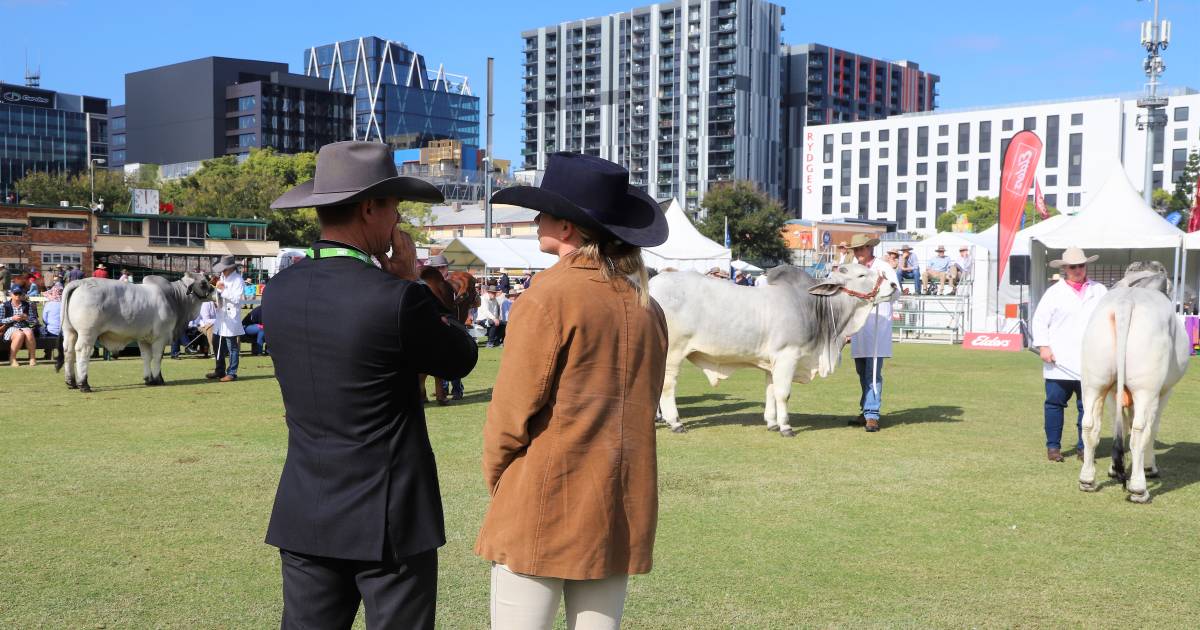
826 85
684 94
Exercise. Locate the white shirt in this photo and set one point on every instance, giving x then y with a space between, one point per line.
964 263
208 314
1059 322
874 339
229 321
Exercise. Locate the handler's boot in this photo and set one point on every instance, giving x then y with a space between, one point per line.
872 425
1054 454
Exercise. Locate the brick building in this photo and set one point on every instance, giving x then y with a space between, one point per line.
45 236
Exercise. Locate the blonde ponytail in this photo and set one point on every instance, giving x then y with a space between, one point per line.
618 260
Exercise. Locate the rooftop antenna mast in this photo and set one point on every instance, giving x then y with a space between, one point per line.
1155 37
32 78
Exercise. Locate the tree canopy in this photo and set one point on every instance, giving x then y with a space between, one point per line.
755 221
983 213
48 189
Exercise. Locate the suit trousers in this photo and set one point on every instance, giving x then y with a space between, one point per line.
526 602
324 593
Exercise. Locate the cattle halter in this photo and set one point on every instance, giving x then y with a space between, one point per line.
866 297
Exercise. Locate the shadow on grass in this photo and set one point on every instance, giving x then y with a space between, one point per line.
1178 466
812 422
468 398
171 383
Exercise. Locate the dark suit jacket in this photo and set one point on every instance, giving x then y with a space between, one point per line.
347 341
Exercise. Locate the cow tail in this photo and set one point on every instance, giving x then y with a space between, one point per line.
58 362
1120 318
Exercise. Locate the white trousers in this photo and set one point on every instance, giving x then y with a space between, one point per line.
525 602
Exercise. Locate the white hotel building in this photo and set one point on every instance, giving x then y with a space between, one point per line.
913 167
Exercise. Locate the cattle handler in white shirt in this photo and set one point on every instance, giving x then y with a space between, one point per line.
873 342
1058 325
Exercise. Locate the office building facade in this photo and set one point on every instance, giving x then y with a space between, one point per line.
826 85
397 99
912 168
43 131
685 94
179 115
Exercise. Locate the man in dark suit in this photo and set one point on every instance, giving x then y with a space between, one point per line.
358 513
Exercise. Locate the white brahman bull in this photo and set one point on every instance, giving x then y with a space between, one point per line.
793 328
1135 350
115 313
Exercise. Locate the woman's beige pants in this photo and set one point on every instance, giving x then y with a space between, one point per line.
525 602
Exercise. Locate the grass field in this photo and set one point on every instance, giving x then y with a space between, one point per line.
141 507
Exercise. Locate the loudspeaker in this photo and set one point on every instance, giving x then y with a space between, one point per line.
1018 270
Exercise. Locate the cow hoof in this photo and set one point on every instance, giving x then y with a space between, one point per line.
679 428
1088 486
72 385
85 388
147 380
772 427
1142 497
787 433
1152 473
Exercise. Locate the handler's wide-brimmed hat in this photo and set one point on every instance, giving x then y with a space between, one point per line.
1073 256
352 171
226 262
594 194
862 240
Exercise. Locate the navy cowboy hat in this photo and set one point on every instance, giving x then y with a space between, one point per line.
594 194
352 171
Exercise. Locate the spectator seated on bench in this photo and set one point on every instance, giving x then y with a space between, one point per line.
197 337
19 319
50 333
255 333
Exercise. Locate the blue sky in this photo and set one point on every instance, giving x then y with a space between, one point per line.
985 52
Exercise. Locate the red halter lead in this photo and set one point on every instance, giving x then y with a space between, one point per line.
867 297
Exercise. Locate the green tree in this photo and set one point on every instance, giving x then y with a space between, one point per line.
414 217
755 221
983 213
48 189
225 188
1184 196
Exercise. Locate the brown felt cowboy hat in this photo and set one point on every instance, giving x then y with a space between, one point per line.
352 171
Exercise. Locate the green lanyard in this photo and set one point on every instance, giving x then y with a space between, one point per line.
339 252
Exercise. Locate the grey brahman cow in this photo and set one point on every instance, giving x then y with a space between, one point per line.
114 313
793 328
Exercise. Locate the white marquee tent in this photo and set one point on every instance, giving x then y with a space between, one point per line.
1118 225
497 253
686 248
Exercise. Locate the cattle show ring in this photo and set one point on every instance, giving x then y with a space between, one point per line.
135 506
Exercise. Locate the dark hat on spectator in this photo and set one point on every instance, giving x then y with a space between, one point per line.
17 290
352 171
906 248
594 194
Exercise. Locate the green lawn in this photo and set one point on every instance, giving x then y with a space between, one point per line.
146 507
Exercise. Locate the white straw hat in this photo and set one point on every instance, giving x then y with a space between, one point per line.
1073 256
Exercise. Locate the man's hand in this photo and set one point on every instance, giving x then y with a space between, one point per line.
1047 354
402 263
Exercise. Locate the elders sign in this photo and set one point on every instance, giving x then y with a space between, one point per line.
1004 342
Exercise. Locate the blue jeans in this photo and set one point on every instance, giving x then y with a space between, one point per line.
1057 394
260 335
913 275
872 396
227 348
176 344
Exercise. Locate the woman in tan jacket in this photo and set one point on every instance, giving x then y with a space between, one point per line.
568 447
